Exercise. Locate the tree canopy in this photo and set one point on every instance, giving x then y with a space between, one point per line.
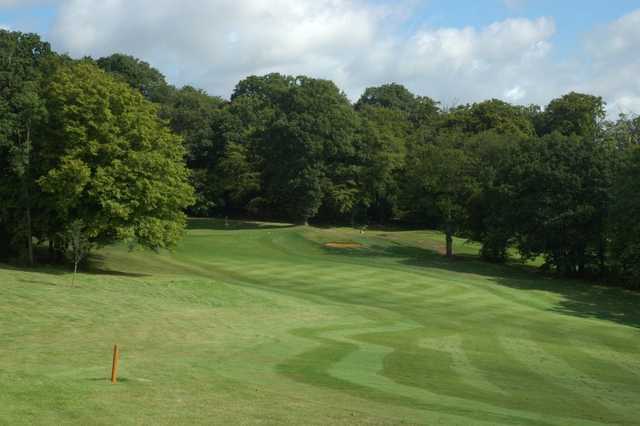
78 146
116 166
110 150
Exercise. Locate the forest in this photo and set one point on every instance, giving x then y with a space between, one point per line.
94 151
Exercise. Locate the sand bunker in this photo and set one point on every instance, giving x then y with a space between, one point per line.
344 245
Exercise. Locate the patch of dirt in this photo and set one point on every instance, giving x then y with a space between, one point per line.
344 245
440 248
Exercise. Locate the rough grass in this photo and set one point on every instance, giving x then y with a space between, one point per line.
259 323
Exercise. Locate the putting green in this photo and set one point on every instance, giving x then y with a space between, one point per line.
262 323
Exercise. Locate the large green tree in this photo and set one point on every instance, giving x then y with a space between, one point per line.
492 218
303 143
623 225
111 162
191 114
25 63
440 175
384 136
562 186
194 115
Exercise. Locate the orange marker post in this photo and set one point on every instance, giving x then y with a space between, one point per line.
114 365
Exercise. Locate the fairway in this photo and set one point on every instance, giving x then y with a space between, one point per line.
257 323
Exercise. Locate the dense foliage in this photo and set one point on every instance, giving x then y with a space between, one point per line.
100 141
82 153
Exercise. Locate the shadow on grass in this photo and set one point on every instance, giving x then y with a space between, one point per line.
94 265
38 269
108 380
579 298
39 282
222 224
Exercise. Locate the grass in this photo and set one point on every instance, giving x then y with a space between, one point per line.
262 323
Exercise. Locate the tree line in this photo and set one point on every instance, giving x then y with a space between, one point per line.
108 141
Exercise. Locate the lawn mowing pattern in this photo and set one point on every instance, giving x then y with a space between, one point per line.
386 333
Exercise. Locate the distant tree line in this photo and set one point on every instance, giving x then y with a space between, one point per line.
104 140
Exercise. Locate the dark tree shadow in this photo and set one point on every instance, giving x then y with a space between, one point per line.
216 224
38 268
94 265
586 299
38 282
579 297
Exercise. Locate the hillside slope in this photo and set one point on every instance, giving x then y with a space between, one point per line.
262 323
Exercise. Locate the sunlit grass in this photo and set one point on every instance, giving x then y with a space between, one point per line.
262 323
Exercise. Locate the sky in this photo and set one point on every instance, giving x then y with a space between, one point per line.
455 51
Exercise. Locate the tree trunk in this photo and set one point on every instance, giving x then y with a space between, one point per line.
29 238
51 251
27 196
602 256
448 231
449 238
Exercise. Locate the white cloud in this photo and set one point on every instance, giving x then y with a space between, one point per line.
619 38
470 64
213 44
515 94
615 65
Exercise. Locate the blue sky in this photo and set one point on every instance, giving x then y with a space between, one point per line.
456 51
28 18
574 18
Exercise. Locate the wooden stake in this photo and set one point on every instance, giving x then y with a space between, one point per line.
114 365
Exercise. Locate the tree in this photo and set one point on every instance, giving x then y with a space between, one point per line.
301 143
112 162
306 194
561 192
493 114
25 63
440 174
573 113
624 228
623 133
492 209
78 245
238 178
272 88
397 97
139 75
382 151
191 114
392 96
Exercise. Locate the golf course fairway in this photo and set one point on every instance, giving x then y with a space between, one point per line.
257 323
